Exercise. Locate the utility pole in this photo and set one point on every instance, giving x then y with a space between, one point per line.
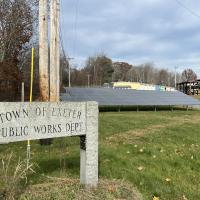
94 75
69 71
175 76
58 47
54 51
88 80
43 50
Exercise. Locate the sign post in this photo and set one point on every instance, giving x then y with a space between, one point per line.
40 120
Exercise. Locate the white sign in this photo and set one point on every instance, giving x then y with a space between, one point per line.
29 121
40 120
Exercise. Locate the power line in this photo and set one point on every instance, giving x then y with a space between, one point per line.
66 58
75 26
75 31
61 35
188 9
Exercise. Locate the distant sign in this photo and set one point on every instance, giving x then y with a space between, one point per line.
30 121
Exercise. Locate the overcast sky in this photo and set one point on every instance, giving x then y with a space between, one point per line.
135 31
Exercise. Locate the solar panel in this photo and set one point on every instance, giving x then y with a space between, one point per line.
127 97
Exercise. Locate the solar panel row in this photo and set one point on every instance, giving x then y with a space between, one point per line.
122 97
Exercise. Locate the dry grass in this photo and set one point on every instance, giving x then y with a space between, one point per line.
61 189
14 177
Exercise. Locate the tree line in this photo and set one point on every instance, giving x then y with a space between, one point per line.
101 69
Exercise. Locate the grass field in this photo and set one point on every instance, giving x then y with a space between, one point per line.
197 96
156 152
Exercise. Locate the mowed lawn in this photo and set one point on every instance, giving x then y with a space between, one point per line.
157 152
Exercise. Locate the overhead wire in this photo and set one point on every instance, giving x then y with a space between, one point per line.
74 31
76 23
61 36
65 64
67 58
186 8
75 26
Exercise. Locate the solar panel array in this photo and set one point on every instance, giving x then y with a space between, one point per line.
127 97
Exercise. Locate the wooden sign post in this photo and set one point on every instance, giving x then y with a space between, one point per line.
39 120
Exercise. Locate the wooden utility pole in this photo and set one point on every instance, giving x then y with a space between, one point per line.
55 51
88 80
175 77
43 50
58 47
94 81
69 71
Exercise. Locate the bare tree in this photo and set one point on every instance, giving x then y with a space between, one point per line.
188 75
162 78
149 72
132 75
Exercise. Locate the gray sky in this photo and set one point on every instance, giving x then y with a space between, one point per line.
135 31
